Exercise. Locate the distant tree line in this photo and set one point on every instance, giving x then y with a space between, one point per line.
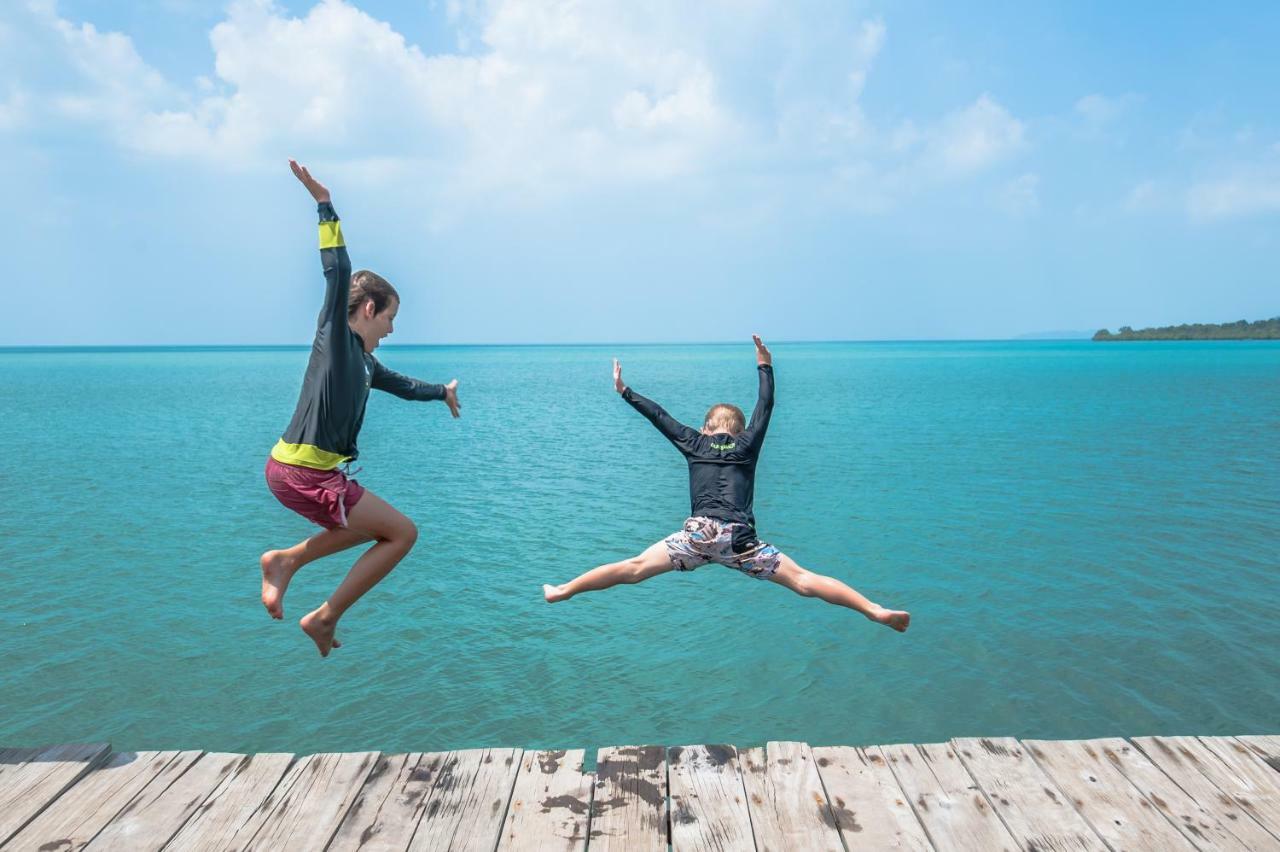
1239 330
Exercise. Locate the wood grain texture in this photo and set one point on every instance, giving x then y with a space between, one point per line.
77 816
948 802
786 799
311 801
629 805
708 800
33 784
870 808
1114 807
550 803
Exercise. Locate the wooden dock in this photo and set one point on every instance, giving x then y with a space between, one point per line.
1144 793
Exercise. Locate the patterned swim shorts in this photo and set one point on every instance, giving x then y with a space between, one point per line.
706 540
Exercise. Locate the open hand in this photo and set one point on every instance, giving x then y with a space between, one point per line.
617 377
315 187
451 398
762 352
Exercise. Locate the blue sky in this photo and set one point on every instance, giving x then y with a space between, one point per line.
614 171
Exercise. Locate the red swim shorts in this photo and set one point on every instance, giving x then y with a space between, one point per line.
321 496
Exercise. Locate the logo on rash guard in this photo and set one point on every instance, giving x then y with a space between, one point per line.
724 447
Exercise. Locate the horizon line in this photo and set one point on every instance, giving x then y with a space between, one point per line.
529 344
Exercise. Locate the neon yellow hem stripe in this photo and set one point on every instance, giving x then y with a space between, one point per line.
306 455
331 235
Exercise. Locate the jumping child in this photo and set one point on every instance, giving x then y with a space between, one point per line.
303 468
722 470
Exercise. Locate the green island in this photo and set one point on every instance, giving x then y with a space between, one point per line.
1240 330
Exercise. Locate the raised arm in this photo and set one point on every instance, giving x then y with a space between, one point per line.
406 387
764 400
676 432
333 256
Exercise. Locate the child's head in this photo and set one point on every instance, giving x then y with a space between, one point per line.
723 417
372 304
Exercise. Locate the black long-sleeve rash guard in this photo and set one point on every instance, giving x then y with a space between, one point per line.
330 409
722 467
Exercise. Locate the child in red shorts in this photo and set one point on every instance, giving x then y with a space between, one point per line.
303 469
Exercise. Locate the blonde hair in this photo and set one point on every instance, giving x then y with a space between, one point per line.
370 285
723 417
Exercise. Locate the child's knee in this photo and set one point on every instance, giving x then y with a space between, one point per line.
635 568
804 583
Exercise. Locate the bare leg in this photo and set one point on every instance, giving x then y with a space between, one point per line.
831 590
279 566
377 519
651 563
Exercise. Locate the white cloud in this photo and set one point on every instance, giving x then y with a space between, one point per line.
547 95
13 109
1146 195
866 47
1253 193
1021 196
975 137
1100 109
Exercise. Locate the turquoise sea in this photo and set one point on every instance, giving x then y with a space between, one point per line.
1087 536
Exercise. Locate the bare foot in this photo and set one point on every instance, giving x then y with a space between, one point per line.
320 629
277 571
895 618
555 594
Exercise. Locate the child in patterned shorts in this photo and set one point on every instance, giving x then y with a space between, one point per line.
722 468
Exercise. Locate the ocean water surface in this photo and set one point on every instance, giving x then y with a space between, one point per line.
1087 536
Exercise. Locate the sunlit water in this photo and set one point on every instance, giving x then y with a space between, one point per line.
1087 536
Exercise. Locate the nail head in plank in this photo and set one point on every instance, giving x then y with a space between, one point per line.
1185 765
1238 770
1102 794
1200 824
1026 800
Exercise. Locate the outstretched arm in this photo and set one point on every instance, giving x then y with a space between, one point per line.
676 432
409 388
764 401
333 254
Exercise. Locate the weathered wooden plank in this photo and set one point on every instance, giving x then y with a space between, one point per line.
708 800
1200 825
33 784
1183 765
948 802
1102 794
12 758
1024 798
1265 747
788 806
1236 770
629 804
226 818
468 801
80 813
156 814
550 803
388 808
870 808
311 801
